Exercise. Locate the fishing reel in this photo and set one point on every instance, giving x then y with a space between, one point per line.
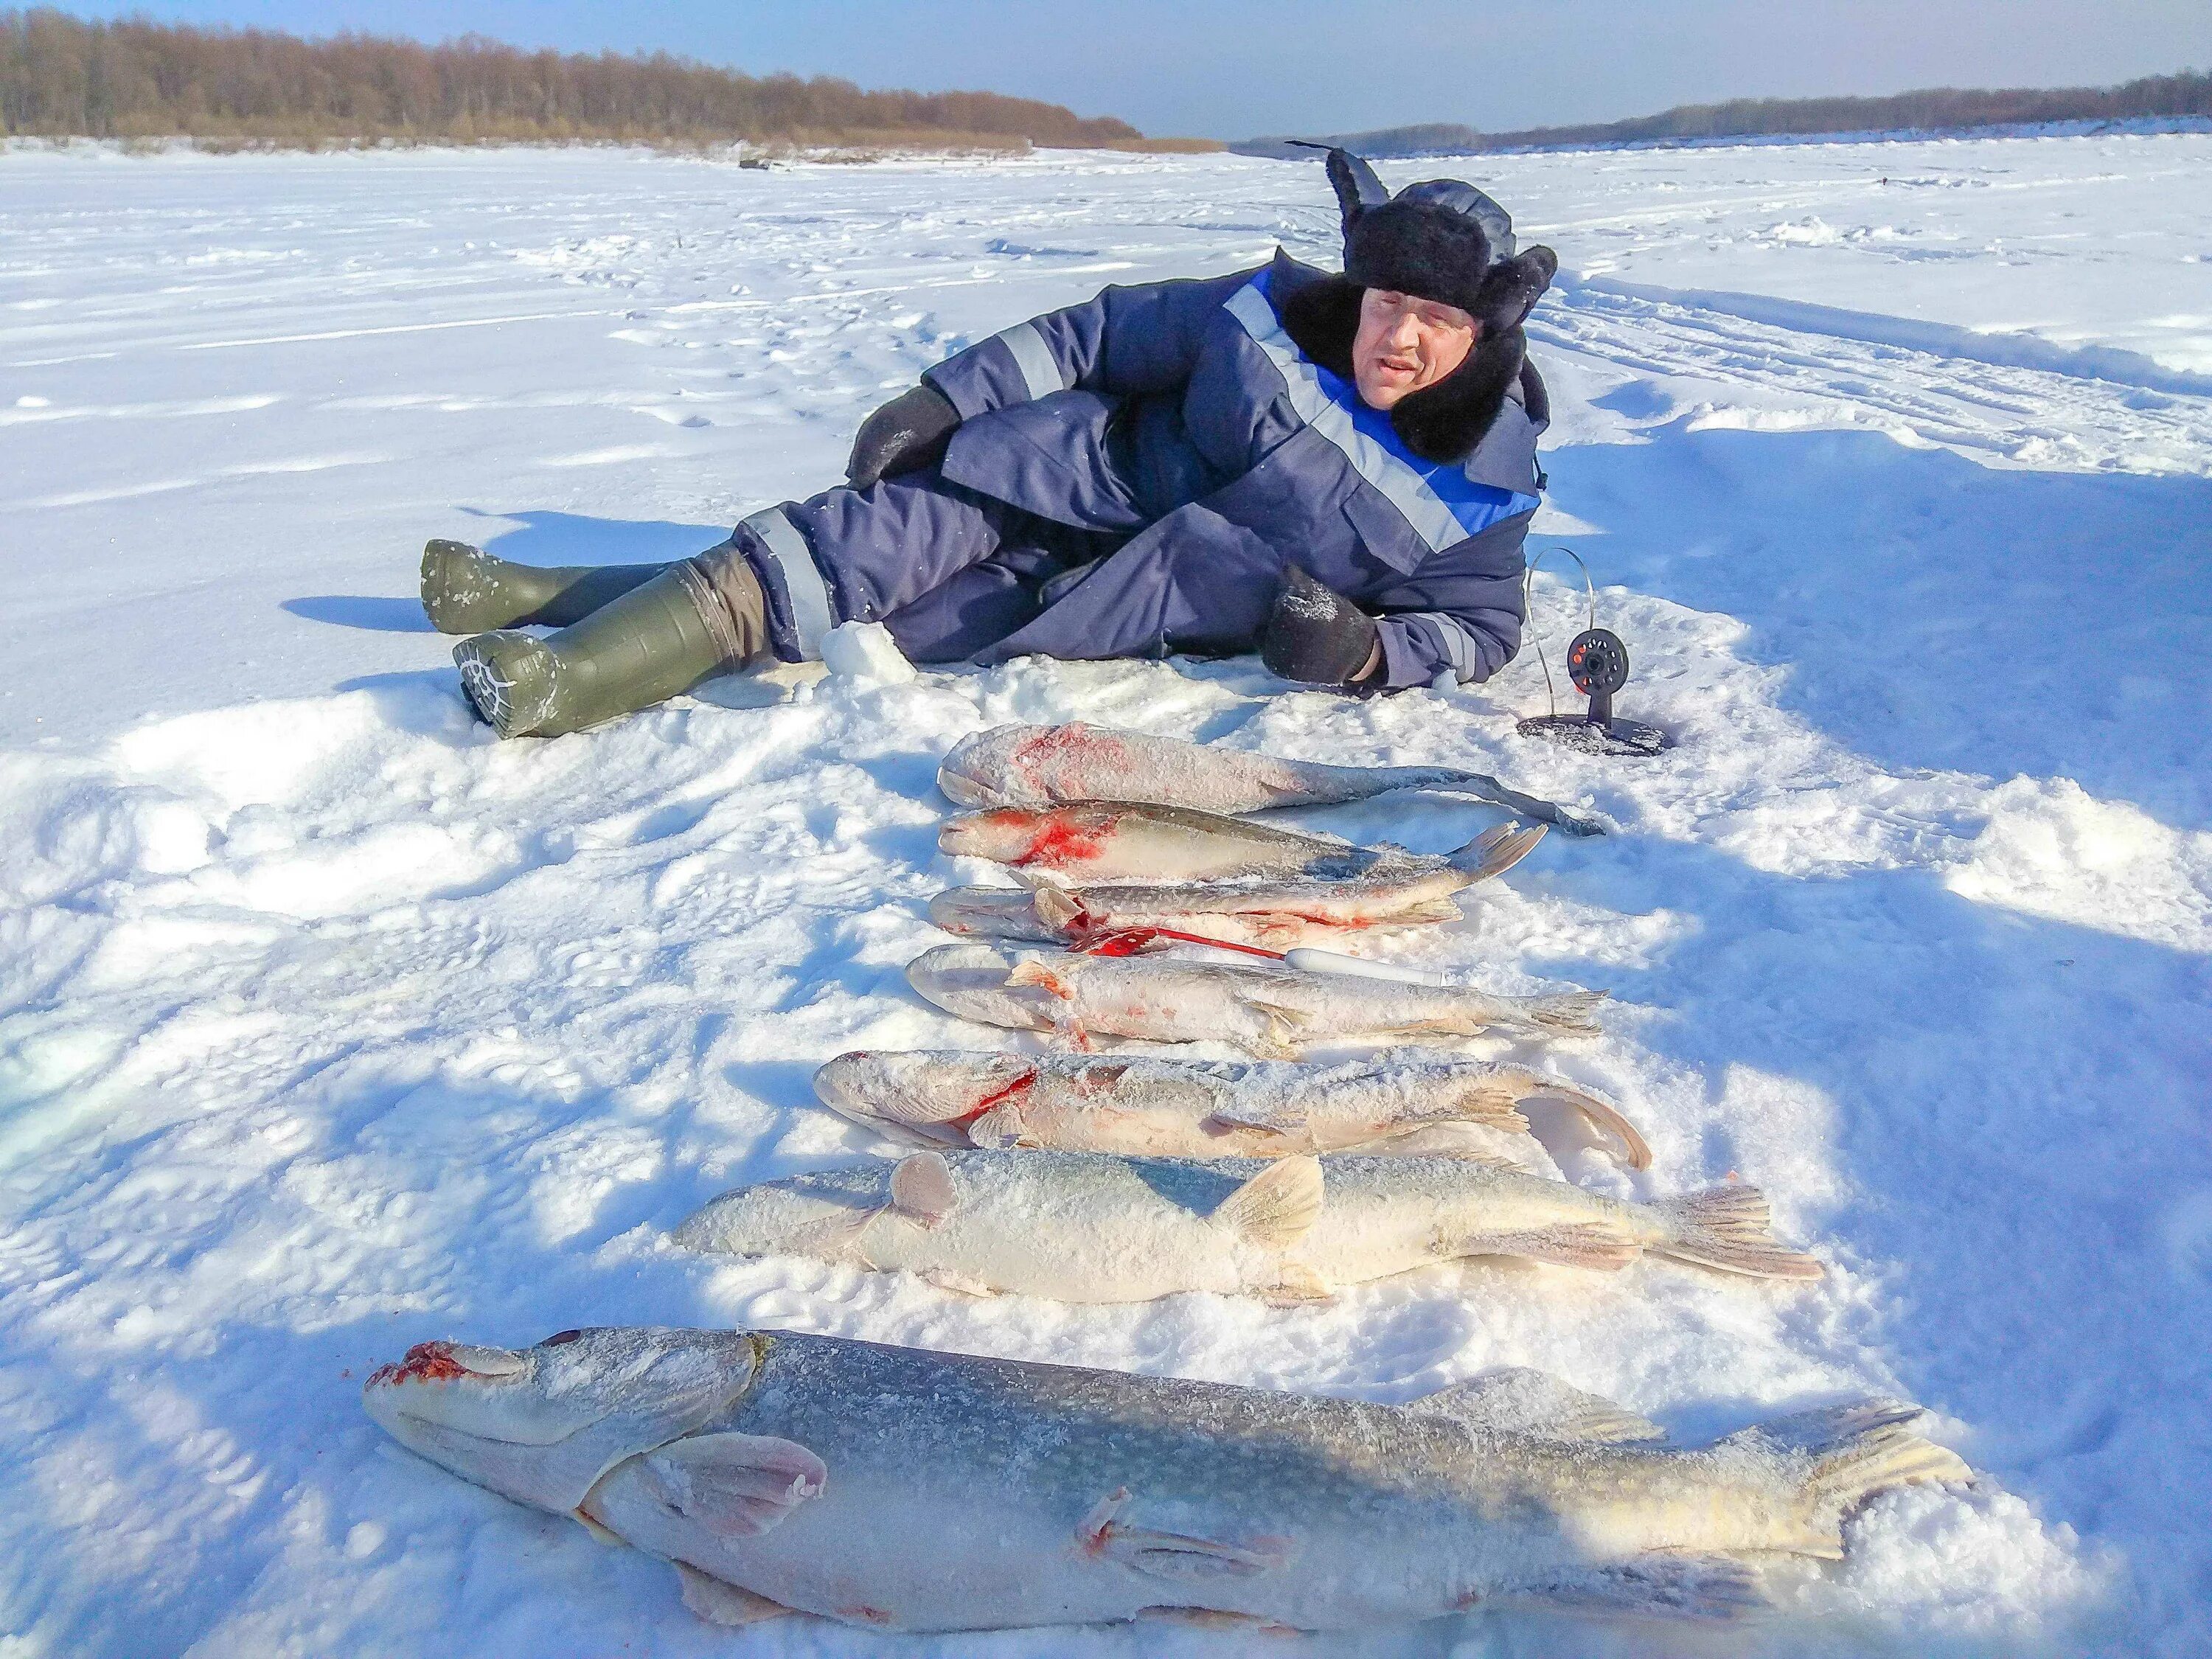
1597 665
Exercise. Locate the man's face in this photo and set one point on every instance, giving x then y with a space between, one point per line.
1406 343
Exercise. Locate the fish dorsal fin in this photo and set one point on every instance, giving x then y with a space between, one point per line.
921 1189
735 1485
1275 1207
1517 1401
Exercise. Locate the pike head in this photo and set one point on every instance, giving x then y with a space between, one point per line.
541 1425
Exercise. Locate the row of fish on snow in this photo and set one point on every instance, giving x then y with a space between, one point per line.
783 1472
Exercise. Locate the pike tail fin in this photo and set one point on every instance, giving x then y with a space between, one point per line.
1496 851
1564 1013
1849 1454
1727 1229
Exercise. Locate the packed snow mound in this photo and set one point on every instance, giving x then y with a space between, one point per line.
328 1024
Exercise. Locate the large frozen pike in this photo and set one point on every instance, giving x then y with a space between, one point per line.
908 1490
1276 914
1429 1105
1046 765
1103 840
1093 1227
1267 1010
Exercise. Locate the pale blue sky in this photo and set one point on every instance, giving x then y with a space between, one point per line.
1229 68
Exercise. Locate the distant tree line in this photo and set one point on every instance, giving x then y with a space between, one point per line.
62 76
1941 109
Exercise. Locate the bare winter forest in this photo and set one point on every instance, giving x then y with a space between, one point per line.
1937 109
61 76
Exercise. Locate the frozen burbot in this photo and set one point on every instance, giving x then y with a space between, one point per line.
1096 1227
905 1490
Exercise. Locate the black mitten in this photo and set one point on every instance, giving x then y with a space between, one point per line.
910 431
1316 634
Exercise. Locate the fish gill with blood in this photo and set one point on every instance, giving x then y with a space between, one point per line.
1270 1012
1415 1103
1084 1227
903 1489
1043 766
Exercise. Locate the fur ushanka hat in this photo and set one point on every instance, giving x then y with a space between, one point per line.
1442 240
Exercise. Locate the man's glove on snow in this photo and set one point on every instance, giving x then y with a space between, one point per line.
910 431
1316 634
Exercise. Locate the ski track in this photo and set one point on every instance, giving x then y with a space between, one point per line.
328 1024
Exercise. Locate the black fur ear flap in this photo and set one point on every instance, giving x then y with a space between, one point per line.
1445 422
1513 286
1357 187
1322 318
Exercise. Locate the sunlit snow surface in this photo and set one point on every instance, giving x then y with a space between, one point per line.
329 1024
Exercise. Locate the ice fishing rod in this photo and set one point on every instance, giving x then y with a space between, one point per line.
1597 665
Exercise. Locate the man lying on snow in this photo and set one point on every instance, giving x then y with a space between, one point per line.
1337 471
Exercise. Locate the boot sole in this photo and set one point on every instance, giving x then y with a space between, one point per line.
491 688
461 589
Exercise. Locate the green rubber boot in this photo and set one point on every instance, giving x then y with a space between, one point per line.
466 590
697 618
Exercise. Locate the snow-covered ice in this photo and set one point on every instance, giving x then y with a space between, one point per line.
328 1024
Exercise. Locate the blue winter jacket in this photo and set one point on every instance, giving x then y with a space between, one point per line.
1181 414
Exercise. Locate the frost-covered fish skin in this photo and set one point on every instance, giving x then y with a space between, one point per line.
909 1490
1274 912
1268 1011
1047 765
1104 840
1433 1105
1094 1227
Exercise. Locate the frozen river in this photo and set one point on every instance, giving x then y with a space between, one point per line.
327 1024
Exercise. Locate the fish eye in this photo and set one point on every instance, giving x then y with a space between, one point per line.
558 1338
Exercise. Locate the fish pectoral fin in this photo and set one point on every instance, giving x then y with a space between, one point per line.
1515 1400
1056 907
1571 1245
834 1237
958 1284
735 1485
1000 1129
719 1602
1284 1028
1712 1588
1034 972
1263 1118
1171 1554
1274 1209
921 1189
